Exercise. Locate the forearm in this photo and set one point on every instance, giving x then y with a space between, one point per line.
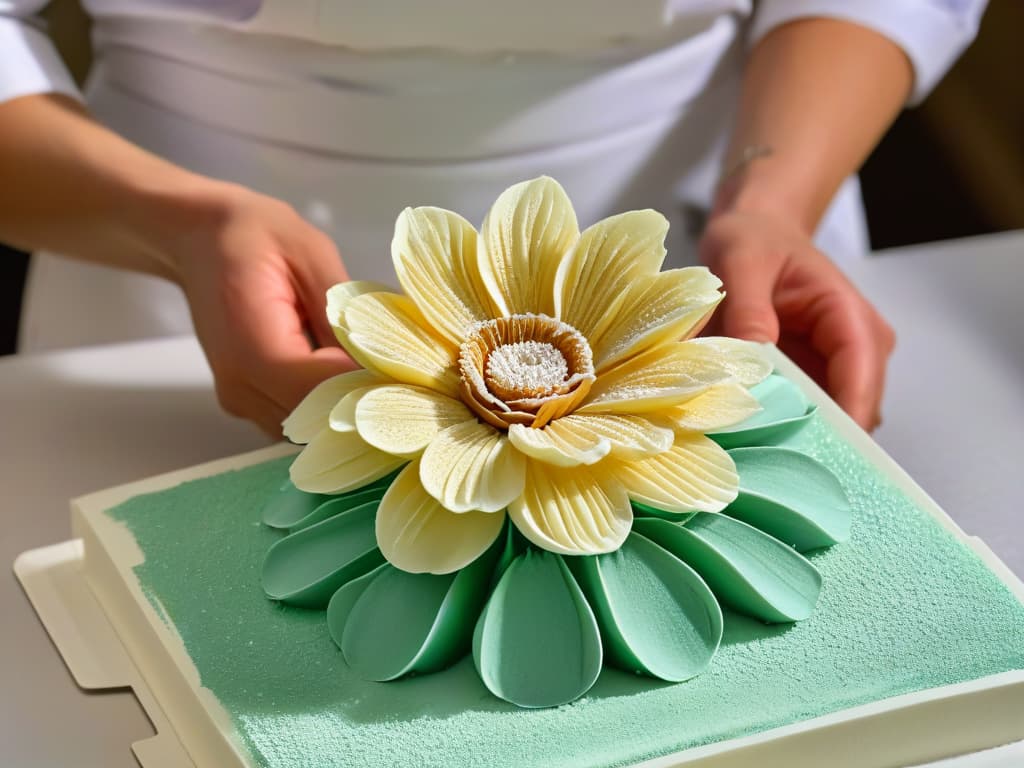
817 95
69 185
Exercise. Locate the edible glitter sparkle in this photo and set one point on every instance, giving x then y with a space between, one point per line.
530 367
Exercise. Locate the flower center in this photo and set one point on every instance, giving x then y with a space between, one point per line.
524 369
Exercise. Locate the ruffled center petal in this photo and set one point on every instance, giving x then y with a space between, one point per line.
524 369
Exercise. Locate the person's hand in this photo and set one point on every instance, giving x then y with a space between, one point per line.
255 275
780 288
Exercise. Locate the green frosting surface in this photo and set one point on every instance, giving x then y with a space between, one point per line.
903 607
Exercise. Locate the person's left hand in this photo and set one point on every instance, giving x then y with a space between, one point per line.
781 289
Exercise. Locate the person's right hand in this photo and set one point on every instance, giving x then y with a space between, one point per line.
255 274
781 289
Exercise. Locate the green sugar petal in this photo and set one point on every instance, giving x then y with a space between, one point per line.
404 622
790 496
655 613
537 643
307 567
748 570
785 410
344 600
643 510
390 622
288 505
336 505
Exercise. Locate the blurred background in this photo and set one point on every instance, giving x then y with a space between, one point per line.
951 167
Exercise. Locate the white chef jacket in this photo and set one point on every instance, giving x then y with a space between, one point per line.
352 109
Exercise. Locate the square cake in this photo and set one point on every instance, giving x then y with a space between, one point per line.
914 651
546 523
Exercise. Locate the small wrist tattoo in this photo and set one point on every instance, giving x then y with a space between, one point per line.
747 155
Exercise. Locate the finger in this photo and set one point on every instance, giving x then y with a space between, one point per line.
294 379
799 349
318 267
267 414
886 342
243 401
272 347
748 311
842 332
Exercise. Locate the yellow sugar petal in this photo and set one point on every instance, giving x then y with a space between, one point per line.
402 419
338 298
659 309
336 462
526 233
391 333
578 511
610 257
630 437
435 252
718 408
418 535
560 447
695 474
342 417
311 415
656 379
746 361
472 466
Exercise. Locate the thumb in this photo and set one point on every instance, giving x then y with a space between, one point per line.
748 311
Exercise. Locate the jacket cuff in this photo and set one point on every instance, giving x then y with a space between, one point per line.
29 63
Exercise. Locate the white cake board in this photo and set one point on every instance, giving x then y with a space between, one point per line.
111 636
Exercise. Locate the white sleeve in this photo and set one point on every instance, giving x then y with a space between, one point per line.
933 33
28 61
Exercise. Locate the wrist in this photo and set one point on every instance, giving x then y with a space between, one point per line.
764 184
177 214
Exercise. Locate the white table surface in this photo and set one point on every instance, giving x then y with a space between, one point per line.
78 421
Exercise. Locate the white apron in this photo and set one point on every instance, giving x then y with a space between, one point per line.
288 104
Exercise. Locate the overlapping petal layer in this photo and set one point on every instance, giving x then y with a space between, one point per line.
585 439
394 338
523 238
658 309
417 534
582 511
721 406
338 297
471 466
309 416
336 462
598 609
743 359
401 419
435 257
657 379
535 368
695 474
342 417
600 272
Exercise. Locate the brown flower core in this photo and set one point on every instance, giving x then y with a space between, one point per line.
524 369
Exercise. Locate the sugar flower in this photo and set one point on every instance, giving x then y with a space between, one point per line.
530 370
